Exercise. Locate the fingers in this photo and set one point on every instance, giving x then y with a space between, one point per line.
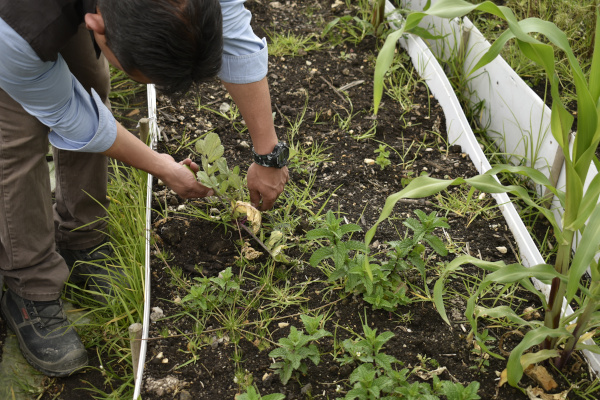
255 198
193 166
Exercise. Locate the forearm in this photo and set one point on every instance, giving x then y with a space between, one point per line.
132 151
254 102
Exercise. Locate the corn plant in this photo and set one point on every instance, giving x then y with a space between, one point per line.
580 206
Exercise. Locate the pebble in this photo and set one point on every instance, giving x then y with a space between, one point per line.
224 108
156 314
185 395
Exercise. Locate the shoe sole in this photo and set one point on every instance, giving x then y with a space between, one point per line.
31 359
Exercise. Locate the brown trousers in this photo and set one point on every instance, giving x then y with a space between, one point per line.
30 227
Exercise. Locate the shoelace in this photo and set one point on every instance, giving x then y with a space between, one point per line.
49 312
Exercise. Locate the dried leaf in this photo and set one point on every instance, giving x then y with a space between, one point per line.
539 394
503 378
541 376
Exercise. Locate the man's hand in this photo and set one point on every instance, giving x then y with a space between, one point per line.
265 185
178 177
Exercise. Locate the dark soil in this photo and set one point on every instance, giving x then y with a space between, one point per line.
202 364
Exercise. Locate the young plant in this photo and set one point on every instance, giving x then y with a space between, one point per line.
409 252
367 349
580 205
295 349
338 250
253 394
211 293
226 183
215 173
383 156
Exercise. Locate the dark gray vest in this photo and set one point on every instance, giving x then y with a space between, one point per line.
45 24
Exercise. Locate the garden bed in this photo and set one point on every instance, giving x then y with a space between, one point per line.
224 352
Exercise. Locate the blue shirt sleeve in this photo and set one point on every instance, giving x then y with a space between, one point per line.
245 55
78 121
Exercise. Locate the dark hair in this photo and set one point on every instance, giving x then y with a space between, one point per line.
175 43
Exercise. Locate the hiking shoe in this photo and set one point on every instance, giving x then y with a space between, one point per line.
47 339
90 269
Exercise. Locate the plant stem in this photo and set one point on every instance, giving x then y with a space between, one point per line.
558 289
582 322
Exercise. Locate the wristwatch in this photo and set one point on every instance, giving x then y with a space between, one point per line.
278 158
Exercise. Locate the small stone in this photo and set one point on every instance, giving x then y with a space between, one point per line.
369 161
156 314
283 325
185 395
224 108
502 249
531 313
306 389
275 4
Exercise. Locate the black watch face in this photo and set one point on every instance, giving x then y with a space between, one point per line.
283 157
278 158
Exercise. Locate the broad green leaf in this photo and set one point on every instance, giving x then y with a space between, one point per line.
587 205
537 357
595 67
517 272
345 229
319 233
319 255
213 147
531 338
585 253
422 186
501 312
356 246
384 61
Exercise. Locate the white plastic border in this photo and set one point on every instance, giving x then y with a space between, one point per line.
459 132
147 279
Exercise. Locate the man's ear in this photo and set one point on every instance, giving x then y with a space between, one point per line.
94 22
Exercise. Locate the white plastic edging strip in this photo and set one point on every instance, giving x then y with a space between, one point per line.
151 93
460 132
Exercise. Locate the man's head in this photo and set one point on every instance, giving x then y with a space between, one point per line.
172 43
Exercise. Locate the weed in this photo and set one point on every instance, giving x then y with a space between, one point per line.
295 349
289 44
383 156
254 394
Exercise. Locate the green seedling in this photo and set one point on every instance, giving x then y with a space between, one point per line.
211 293
294 350
253 394
337 249
409 252
215 173
383 156
368 349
